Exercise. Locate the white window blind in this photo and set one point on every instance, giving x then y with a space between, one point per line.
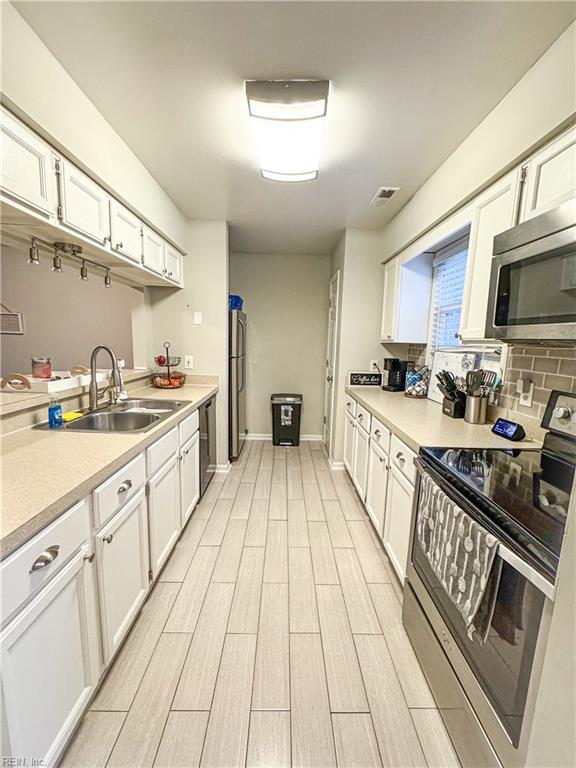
448 292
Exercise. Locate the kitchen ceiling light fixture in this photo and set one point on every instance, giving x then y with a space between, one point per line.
288 117
57 261
107 279
83 271
34 257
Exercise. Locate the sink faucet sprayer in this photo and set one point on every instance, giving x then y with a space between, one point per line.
116 387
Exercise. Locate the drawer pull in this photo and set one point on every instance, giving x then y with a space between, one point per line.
377 433
108 539
360 416
401 458
126 485
381 459
46 558
90 558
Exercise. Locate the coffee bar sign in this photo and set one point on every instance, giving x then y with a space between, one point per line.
365 379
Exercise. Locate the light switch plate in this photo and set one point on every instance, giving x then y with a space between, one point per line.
189 361
197 318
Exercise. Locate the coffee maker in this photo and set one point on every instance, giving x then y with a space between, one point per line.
394 374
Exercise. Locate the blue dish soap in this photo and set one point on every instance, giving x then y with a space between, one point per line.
55 414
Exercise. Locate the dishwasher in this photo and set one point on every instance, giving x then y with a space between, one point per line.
207 414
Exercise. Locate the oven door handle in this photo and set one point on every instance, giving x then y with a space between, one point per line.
510 557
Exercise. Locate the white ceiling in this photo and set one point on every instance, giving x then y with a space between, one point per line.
410 80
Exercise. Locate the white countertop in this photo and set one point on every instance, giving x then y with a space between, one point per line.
44 472
421 422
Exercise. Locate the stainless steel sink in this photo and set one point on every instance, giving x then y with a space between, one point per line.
114 421
149 405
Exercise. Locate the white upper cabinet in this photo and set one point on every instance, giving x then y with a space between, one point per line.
550 176
84 204
26 166
494 212
390 300
173 265
125 232
406 301
153 250
123 564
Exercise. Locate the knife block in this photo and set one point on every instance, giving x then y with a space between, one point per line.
454 408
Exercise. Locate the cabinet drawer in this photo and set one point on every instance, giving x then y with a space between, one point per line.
403 458
160 451
188 426
363 417
116 491
351 406
380 435
55 544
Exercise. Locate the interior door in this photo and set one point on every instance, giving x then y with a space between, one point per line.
330 360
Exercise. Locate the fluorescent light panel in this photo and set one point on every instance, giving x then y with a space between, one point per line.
288 121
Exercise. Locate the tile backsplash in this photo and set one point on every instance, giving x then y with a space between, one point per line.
548 368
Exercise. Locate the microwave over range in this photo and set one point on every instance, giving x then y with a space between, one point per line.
533 280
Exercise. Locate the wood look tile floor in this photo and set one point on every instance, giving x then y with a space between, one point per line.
273 638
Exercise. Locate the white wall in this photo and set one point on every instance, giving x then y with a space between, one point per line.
286 300
538 105
39 89
361 284
171 313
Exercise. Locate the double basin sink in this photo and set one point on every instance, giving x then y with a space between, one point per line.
126 416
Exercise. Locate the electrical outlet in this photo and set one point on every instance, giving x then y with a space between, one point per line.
515 472
374 365
189 361
526 397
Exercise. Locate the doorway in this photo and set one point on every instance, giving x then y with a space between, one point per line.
331 347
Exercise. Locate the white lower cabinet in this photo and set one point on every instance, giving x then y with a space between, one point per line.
123 561
377 485
360 460
189 476
349 429
163 513
49 668
397 521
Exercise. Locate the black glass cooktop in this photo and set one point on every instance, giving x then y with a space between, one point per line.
525 494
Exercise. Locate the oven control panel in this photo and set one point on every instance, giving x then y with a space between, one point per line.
560 413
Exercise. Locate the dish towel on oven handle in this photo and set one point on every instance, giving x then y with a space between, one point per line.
462 555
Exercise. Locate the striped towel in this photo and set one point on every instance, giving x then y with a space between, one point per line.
462 554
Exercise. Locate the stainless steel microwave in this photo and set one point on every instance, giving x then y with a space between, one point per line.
533 280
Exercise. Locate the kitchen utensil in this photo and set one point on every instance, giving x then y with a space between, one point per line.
489 379
474 382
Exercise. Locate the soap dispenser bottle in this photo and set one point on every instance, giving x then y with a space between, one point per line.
55 413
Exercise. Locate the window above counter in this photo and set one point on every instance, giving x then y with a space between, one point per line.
46 195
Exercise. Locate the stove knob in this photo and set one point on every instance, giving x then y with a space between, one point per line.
561 412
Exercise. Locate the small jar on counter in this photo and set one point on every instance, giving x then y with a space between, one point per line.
41 368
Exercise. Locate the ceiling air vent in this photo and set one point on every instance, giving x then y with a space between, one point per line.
383 195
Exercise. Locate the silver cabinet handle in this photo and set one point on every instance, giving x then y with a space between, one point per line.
360 416
381 459
187 451
119 245
377 433
126 485
329 378
108 539
348 404
90 558
46 558
401 458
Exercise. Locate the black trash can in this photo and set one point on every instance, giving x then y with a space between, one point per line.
286 410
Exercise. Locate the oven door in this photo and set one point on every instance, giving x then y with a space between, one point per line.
503 664
533 291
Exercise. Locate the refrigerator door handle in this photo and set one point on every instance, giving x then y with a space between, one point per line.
241 363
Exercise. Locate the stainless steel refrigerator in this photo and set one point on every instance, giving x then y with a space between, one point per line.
237 383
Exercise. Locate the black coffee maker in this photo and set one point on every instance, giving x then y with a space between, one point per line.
394 374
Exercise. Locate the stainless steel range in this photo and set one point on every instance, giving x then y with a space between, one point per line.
486 686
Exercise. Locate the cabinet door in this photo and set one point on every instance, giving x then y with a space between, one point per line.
123 564
47 675
390 301
551 176
376 486
360 470
27 171
153 249
85 205
349 429
125 232
189 476
163 513
397 521
494 212
173 265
